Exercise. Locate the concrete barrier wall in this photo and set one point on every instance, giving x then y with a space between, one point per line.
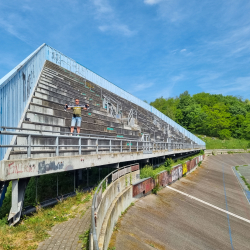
114 190
120 205
164 178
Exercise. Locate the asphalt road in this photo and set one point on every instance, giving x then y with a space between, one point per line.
173 220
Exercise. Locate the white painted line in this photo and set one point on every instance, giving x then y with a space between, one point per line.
206 203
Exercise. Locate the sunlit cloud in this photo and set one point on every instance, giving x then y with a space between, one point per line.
152 2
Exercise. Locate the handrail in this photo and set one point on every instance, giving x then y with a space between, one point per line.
40 130
138 146
93 227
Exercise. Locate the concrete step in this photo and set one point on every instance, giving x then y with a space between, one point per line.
66 88
69 92
40 126
86 128
43 110
48 119
45 119
58 106
86 115
76 85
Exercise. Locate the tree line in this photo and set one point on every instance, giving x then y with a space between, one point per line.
208 114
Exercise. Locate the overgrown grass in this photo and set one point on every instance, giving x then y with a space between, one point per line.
85 240
34 229
232 143
246 183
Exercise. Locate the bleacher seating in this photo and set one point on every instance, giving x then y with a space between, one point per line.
58 86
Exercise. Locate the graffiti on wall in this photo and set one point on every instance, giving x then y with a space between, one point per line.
184 168
43 167
175 174
18 168
180 171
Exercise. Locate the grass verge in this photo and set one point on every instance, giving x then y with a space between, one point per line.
33 229
232 143
85 240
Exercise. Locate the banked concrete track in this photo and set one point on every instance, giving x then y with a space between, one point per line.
172 220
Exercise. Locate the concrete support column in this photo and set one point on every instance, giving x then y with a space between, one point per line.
80 175
88 143
87 177
14 199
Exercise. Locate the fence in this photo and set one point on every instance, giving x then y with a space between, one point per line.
17 86
91 143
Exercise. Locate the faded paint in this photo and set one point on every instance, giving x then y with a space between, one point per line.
135 167
175 174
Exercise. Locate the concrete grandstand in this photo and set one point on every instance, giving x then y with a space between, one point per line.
35 128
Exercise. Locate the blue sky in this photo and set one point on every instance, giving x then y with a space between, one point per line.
150 48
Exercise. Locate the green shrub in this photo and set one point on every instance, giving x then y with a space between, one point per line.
168 162
156 189
224 134
5 209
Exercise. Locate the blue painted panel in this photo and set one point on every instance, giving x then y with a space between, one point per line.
16 89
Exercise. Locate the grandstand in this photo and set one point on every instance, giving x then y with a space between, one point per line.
35 128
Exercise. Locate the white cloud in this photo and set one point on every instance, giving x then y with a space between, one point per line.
142 86
121 28
168 91
183 50
102 6
11 26
109 19
151 2
236 86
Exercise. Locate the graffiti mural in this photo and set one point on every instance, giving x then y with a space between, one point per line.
175 174
180 171
184 168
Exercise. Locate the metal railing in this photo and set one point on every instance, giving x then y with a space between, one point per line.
92 144
41 131
107 180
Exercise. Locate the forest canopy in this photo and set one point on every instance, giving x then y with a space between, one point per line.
208 114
